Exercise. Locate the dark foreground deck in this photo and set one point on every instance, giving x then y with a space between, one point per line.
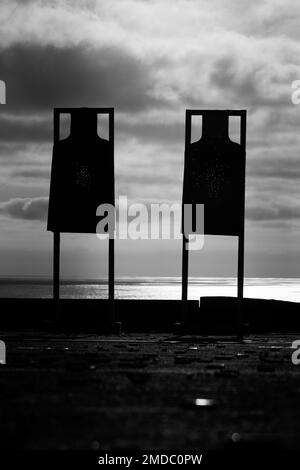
80 391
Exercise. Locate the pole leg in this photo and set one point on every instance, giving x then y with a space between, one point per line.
240 287
56 273
111 280
185 270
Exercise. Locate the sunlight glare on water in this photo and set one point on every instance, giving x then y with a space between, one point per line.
154 288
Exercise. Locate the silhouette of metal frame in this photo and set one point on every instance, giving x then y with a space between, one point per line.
241 236
56 234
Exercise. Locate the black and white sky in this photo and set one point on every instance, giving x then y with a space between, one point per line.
150 59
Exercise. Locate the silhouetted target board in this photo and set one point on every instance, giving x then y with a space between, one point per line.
82 175
82 178
214 175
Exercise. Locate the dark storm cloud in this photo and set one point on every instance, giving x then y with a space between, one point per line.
279 212
39 78
283 168
161 178
26 209
223 76
9 150
154 132
25 130
32 173
248 86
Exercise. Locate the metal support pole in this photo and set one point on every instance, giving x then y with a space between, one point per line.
111 279
185 275
56 273
241 241
111 242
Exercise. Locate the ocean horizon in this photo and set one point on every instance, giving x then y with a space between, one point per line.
167 288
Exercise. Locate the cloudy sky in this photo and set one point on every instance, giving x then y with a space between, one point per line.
150 59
